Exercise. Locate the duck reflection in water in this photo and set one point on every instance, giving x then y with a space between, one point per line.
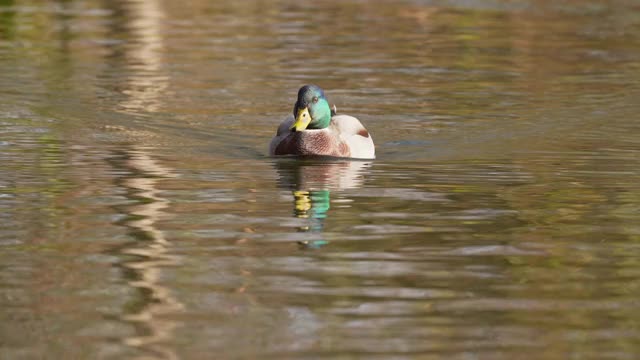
311 181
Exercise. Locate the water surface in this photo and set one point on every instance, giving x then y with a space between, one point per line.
141 218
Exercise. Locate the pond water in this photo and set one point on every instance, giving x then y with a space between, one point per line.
141 218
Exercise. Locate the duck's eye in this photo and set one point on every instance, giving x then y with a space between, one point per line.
315 99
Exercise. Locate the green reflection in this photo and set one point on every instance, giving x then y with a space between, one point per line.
312 205
311 182
7 16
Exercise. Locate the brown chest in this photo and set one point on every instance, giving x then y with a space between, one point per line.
317 142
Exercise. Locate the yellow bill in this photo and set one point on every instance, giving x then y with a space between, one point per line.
303 118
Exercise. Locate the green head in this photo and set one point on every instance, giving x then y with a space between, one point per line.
311 110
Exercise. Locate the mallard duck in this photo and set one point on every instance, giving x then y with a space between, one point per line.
314 129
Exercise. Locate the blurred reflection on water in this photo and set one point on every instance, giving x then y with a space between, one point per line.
140 217
148 255
311 182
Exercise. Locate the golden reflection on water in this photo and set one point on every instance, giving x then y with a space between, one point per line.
154 253
144 86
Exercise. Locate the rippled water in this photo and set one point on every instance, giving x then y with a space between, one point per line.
141 218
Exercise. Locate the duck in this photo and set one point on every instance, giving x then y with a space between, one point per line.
314 129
